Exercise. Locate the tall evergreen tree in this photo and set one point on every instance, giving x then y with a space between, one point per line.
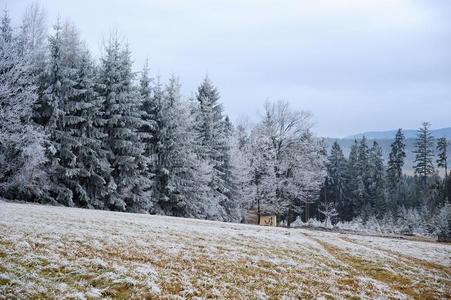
70 113
424 153
354 181
166 103
148 129
59 86
83 125
377 184
212 141
442 160
337 174
396 162
181 177
128 186
229 172
55 82
363 177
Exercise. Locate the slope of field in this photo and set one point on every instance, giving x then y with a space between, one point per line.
55 252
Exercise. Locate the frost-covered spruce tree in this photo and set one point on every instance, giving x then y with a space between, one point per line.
424 153
148 131
337 174
57 83
363 178
162 111
354 182
211 138
70 112
181 178
442 161
21 140
396 163
155 122
128 188
376 187
83 126
231 173
55 114
148 120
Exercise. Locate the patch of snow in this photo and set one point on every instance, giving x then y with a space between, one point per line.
94 293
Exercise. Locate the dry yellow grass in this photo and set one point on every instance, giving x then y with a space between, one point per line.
53 252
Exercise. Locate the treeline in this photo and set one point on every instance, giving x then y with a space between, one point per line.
92 133
362 186
77 131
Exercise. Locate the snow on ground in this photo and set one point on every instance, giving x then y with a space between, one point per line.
55 252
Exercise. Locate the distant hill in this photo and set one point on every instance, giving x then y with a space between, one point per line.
409 134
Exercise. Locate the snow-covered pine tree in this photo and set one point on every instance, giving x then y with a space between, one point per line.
64 51
128 188
57 82
376 187
181 177
148 127
363 177
163 109
354 182
442 161
424 153
337 174
396 162
231 175
212 146
83 126
21 140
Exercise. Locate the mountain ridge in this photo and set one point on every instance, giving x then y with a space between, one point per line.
390 134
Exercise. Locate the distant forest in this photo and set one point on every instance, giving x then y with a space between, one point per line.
84 132
364 185
346 144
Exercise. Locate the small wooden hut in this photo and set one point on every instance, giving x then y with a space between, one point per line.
266 219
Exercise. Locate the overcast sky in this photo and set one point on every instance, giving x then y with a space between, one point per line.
357 65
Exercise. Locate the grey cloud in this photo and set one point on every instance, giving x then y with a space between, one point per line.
357 65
